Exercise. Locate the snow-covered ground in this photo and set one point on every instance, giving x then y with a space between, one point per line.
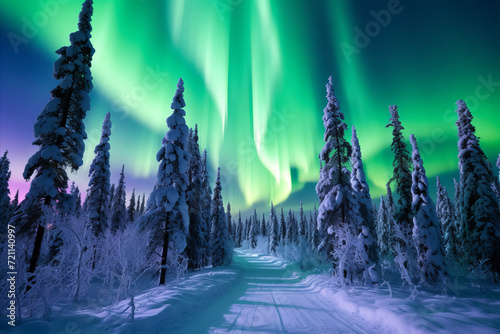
263 294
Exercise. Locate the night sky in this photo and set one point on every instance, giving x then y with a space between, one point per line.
255 75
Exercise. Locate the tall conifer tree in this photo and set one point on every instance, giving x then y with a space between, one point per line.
479 206
60 133
99 184
167 212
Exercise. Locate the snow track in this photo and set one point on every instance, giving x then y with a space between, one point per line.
264 294
271 297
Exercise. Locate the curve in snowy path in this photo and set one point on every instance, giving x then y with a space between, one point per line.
272 298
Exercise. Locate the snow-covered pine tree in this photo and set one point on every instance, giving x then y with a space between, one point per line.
456 185
446 214
239 231
263 228
75 192
110 199
273 230
218 233
207 209
131 208
302 228
252 235
5 206
235 228
59 132
291 229
143 204
479 206
84 205
119 205
194 200
15 202
99 184
384 230
138 206
314 239
167 212
338 210
229 220
362 195
390 200
426 227
402 176
247 229
282 235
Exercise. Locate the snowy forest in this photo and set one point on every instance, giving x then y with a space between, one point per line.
68 252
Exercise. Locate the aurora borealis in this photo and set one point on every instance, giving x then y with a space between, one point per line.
255 74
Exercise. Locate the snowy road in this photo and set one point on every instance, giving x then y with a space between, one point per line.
263 294
272 298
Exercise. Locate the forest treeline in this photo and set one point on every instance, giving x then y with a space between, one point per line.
64 247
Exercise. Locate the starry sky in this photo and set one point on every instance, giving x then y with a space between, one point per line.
255 74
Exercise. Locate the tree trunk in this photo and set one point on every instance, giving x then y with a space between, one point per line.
35 255
163 270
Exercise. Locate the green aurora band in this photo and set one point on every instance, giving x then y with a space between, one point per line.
254 74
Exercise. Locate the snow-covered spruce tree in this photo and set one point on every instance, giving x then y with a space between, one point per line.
291 229
263 228
390 200
59 133
15 202
362 195
479 206
252 235
307 229
220 246
246 230
167 217
138 206
194 200
131 208
401 175
110 199
5 206
239 231
75 192
273 230
143 205
302 227
426 227
446 214
314 239
119 205
99 184
458 213
338 210
282 234
207 209
235 231
384 231
229 220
